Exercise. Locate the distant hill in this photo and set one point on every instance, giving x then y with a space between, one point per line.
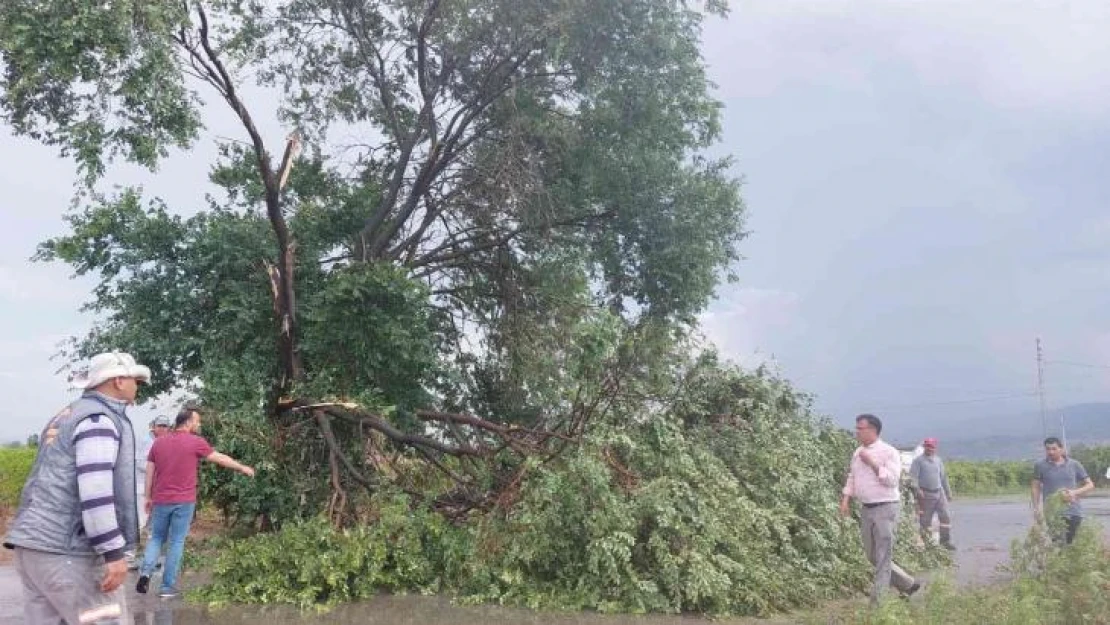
1013 437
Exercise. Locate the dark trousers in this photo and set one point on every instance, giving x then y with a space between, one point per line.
1065 533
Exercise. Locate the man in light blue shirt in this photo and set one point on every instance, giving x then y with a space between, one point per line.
1058 473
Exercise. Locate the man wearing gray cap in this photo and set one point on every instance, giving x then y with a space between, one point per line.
159 426
78 515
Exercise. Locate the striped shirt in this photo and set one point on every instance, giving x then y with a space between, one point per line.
96 441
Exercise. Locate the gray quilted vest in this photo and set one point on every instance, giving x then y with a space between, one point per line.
49 515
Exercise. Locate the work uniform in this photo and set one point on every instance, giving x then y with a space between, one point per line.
931 483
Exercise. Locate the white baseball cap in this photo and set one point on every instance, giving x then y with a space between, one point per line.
109 365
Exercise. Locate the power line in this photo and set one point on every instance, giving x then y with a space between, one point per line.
952 402
1039 392
1071 363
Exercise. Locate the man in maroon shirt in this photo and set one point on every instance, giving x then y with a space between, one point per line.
171 491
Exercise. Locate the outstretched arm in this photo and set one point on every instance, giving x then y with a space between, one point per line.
229 463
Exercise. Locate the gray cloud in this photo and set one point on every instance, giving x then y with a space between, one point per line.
926 180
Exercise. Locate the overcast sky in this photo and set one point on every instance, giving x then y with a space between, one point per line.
927 191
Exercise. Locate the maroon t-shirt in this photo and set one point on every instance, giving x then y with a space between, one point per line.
175 457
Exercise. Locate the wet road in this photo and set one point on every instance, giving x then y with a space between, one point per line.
982 528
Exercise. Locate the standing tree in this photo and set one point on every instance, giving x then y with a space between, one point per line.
478 203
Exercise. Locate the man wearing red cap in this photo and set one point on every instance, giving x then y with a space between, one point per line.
930 484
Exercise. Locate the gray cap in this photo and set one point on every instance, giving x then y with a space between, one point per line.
161 420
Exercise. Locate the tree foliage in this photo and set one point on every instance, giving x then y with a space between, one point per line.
722 500
517 184
96 79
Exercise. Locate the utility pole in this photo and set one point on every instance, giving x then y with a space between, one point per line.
1040 387
1063 432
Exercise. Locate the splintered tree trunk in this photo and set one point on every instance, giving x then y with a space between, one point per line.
281 275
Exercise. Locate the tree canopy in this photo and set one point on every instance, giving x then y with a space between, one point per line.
523 161
470 190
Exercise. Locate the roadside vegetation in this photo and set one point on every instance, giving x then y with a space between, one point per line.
983 478
724 502
15 466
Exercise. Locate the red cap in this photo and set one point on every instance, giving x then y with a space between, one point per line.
930 442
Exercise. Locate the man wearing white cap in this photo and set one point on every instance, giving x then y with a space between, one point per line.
78 515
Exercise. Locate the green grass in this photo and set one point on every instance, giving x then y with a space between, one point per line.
971 479
15 465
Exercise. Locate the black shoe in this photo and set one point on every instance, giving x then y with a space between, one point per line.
143 585
948 546
912 589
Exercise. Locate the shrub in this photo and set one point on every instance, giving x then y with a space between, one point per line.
988 477
311 563
1003 477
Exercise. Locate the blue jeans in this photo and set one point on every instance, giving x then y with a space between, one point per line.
169 525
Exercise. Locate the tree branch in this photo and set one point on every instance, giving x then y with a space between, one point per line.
378 423
337 451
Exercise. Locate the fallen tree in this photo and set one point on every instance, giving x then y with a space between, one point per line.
716 497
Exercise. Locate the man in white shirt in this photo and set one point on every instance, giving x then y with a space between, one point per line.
873 480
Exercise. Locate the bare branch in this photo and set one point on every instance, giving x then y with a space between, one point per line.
378 423
337 451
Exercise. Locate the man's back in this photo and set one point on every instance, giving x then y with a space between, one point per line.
176 457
